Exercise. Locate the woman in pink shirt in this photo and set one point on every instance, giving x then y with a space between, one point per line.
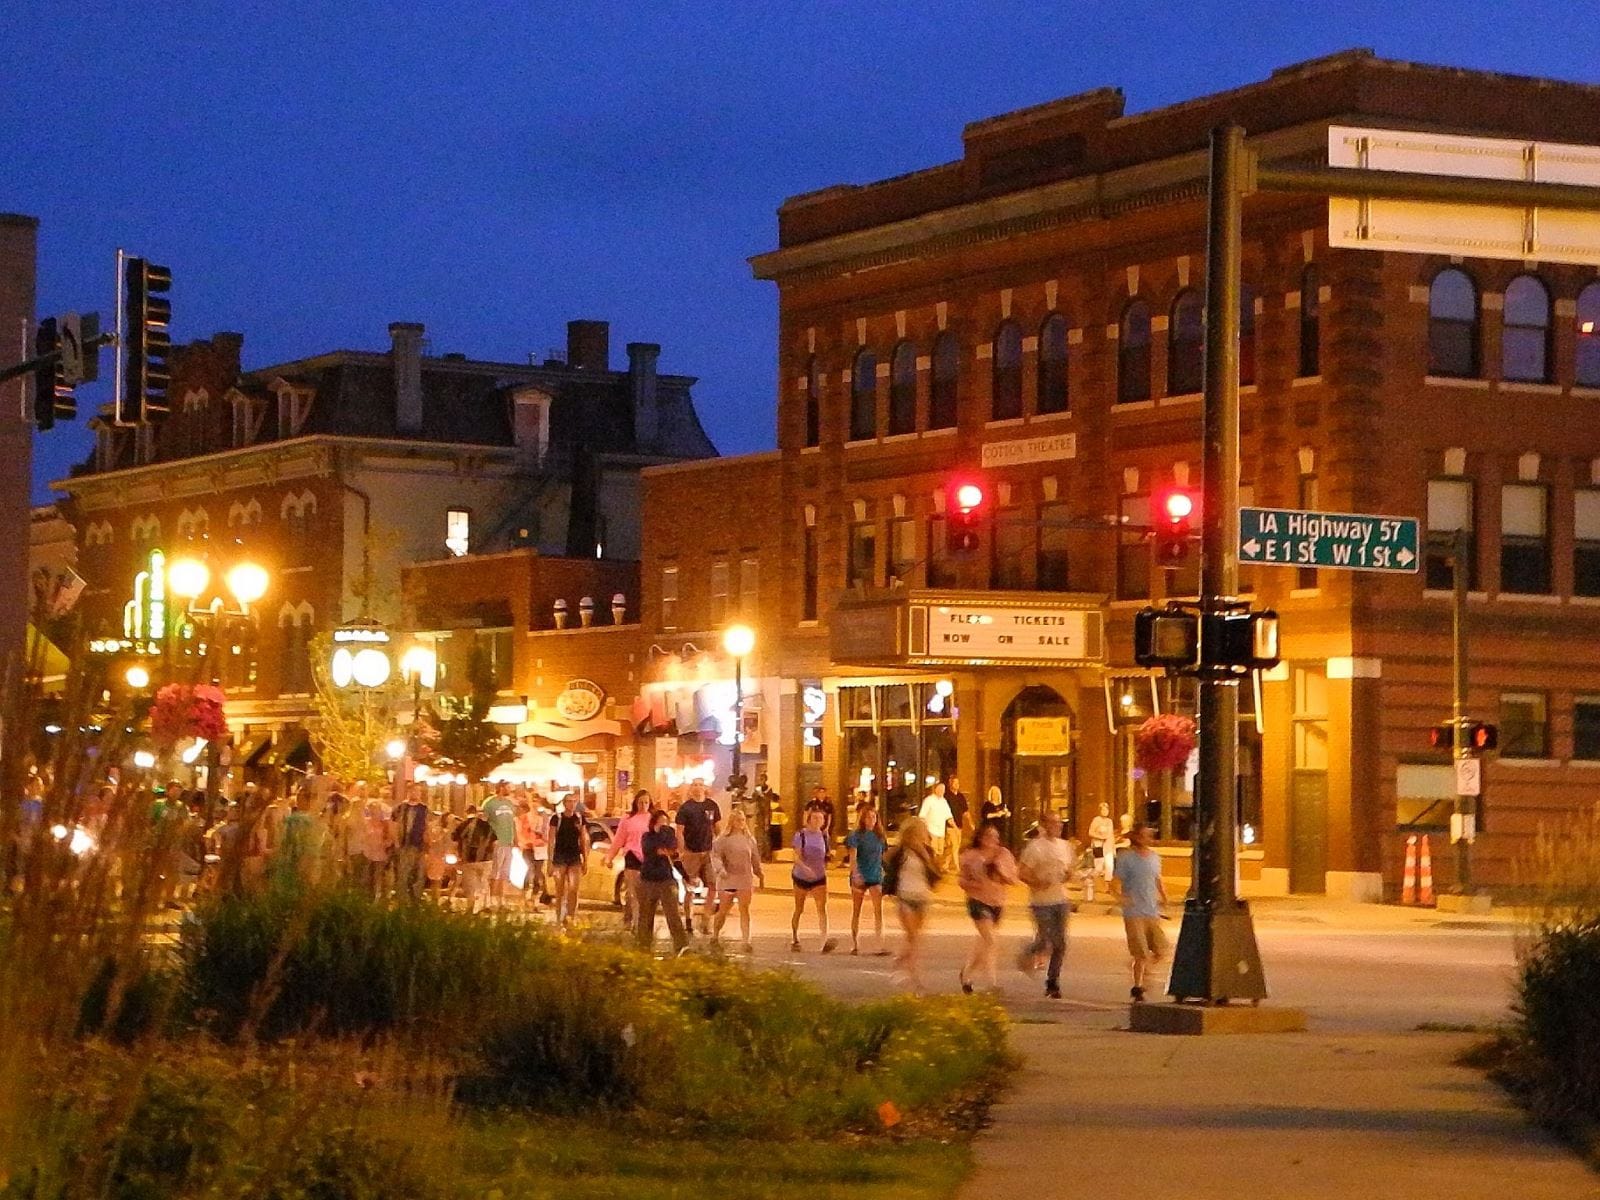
987 868
629 842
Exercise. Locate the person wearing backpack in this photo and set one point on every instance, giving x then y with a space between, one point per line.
810 878
910 873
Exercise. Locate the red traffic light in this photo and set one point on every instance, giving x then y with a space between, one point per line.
1175 509
966 497
1179 506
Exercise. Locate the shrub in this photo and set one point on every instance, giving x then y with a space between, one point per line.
1557 1009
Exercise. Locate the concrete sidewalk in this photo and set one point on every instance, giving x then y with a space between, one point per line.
1106 1113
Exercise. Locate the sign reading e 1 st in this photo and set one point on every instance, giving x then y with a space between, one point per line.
1344 541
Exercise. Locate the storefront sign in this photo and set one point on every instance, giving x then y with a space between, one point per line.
974 631
666 751
580 700
1029 450
1043 736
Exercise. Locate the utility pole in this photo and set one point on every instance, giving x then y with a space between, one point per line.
1466 806
1216 958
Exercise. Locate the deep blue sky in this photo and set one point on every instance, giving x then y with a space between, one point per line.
313 171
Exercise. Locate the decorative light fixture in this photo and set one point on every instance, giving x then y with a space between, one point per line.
137 677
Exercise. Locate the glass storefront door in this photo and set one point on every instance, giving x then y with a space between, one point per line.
899 740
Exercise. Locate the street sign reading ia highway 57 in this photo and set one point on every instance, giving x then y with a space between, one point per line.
1343 541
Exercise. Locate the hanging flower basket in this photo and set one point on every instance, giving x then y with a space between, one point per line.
1164 743
183 710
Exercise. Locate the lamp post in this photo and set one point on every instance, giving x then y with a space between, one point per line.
738 640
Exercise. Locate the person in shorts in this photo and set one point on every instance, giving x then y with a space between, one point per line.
502 817
910 873
1138 881
987 869
810 878
699 820
569 856
738 869
865 846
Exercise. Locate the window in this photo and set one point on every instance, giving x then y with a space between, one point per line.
749 586
1586 727
719 591
1133 550
1050 569
1310 323
902 550
864 397
493 651
1186 345
1306 577
1586 542
1587 365
1453 325
808 589
1524 539
1133 353
1525 336
941 567
1009 547
1007 400
457 531
1524 725
1247 335
813 400
294 643
1053 365
903 389
669 597
1450 508
861 568
946 374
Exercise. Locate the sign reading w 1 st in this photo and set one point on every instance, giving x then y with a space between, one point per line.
1343 541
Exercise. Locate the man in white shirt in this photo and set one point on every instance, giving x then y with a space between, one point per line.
935 814
1045 866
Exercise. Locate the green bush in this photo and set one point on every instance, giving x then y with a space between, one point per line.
1558 1013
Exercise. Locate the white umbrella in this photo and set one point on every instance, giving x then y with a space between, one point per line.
533 765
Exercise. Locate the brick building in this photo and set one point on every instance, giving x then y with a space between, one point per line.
335 471
1030 315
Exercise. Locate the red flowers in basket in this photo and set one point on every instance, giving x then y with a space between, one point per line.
183 710
1164 743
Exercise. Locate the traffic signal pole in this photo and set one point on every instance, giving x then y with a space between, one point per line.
1466 806
1216 959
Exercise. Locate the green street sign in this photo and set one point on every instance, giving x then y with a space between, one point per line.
1343 541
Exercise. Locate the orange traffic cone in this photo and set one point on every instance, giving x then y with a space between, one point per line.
1408 881
1425 873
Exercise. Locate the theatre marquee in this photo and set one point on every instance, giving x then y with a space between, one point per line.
916 628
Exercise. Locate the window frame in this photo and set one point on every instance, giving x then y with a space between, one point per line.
1441 329
940 569
857 572
1247 335
670 582
1134 555
1185 354
1585 550
1005 352
864 396
1539 333
718 582
1053 391
809 573
903 388
1310 364
1133 358
458 546
1010 535
1439 543
812 430
1586 701
944 382
1586 344
1053 547
1527 544
1509 730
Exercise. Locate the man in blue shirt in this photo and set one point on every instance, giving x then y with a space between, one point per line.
1137 880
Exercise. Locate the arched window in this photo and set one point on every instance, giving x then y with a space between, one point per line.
1007 400
1186 345
946 376
813 402
1588 342
1247 335
1453 325
1525 335
1133 353
864 397
1053 364
903 389
1310 323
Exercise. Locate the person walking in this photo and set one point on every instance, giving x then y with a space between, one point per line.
960 818
411 842
986 869
993 810
810 878
569 856
936 815
910 873
1046 865
1138 882
736 864
502 817
699 818
628 841
1103 843
476 848
864 846
658 886
820 803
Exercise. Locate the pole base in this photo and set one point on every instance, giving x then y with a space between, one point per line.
1217 959
1200 1020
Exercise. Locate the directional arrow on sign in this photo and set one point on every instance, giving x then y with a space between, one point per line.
1251 548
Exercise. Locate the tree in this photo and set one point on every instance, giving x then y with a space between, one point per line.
465 740
353 726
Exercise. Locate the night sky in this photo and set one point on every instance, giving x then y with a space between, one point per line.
312 172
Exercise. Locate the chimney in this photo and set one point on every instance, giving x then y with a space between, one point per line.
405 353
642 384
589 345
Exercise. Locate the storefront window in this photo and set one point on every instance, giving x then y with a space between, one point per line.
899 739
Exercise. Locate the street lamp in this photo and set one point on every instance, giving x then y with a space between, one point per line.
138 678
738 640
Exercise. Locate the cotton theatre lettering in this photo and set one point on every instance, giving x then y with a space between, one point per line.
580 700
1061 634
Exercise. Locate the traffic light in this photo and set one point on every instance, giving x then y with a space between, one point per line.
52 393
1175 511
1480 736
145 375
962 518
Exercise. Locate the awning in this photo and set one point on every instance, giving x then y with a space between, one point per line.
533 765
560 731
